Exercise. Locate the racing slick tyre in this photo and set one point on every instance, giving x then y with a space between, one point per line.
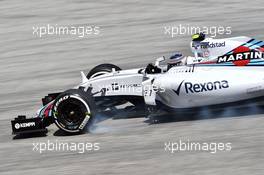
102 69
73 110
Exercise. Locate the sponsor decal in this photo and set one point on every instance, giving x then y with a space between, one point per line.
116 86
129 85
24 125
178 89
213 45
205 45
241 56
85 121
202 87
59 101
17 125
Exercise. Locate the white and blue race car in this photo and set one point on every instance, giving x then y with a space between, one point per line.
221 72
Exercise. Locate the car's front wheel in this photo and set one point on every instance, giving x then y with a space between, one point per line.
73 110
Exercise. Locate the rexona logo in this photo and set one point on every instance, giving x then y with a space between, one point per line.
202 87
241 56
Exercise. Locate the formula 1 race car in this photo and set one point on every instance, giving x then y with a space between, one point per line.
222 72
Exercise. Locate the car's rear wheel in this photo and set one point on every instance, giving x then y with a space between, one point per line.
107 68
73 110
101 70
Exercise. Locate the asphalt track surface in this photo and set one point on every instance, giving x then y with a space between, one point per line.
131 35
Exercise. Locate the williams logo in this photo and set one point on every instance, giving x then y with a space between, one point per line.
201 87
240 56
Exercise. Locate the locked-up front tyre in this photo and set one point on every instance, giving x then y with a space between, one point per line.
73 110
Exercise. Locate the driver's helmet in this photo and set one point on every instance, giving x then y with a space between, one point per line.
175 60
198 37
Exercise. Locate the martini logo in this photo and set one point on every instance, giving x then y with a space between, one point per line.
202 87
240 56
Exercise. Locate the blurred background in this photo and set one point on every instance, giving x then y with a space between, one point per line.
131 34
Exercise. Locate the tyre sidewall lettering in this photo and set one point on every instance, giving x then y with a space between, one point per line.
85 120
